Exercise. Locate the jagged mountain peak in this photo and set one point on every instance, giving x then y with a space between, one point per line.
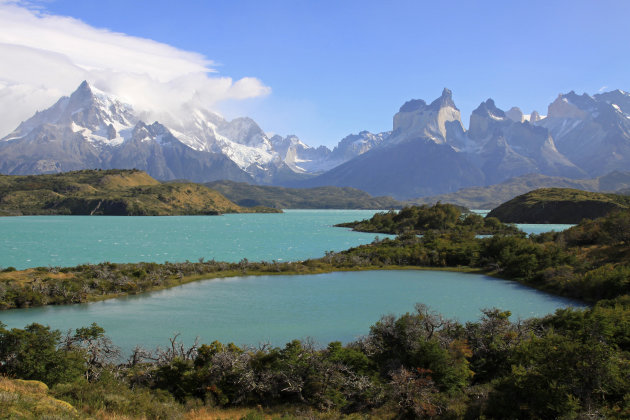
515 114
617 97
83 93
413 105
583 101
534 117
417 120
445 100
571 105
489 108
98 117
245 131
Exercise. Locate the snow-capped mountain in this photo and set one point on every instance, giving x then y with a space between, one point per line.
91 129
100 119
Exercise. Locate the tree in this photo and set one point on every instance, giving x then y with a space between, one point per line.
34 353
95 347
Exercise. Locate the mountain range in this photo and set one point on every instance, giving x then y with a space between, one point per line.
427 152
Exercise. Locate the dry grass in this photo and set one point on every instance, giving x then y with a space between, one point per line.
30 274
127 180
22 399
208 413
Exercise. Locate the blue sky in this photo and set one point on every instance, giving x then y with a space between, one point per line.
339 67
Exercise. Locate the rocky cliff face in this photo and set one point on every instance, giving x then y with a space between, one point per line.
416 119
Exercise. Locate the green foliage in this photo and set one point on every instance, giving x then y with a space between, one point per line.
613 229
556 375
492 340
34 353
424 219
415 341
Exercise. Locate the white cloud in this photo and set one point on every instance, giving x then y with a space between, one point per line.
45 56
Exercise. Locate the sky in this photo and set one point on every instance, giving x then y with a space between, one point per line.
318 69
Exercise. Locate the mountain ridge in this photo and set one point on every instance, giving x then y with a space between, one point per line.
427 152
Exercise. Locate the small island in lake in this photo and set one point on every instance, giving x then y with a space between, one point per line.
559 205
116 192
422 219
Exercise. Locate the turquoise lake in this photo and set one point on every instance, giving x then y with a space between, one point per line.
276 309
32 241
294 235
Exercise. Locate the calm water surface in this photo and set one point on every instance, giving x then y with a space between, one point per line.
531 227
325 307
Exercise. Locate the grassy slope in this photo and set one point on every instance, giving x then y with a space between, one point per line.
110 192
558 205
22 399
301 198
493 195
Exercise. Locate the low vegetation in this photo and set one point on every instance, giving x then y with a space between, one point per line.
109 192
248 195
559 205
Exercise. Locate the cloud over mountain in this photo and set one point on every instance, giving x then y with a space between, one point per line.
45 56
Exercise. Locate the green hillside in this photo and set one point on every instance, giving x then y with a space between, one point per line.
493 195
559 205
301 198
108 192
